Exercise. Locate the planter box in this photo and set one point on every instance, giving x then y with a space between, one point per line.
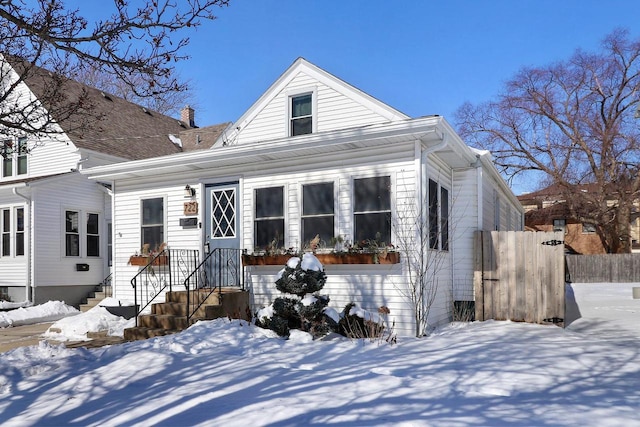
359 258
141 260
326 259
265 259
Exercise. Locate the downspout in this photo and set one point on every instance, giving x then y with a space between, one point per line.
105 265
29 291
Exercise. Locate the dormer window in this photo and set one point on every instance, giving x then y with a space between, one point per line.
301 120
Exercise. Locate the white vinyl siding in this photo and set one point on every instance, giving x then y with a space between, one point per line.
53 199
334 111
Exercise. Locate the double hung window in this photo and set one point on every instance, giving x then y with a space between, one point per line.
269 217
301 119
19 231
152 227
14 157
93 235
5 228
7 158
318 212
72 233
372 209
12 232
438 216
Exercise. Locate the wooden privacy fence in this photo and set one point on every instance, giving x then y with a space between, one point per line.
609 268
519 276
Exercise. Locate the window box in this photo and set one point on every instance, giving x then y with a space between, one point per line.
326 259
143 260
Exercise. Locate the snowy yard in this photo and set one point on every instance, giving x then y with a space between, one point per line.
231 373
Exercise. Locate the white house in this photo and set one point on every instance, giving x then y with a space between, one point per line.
54 222
316 156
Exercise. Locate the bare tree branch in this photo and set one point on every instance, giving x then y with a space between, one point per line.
574 121
138 43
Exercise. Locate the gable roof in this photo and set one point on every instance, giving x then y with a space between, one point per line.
116 127
201 138
299 66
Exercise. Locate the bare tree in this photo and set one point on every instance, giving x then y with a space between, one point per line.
168 103
422 239
138 43
575 121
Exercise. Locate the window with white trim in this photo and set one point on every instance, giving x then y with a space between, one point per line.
19 222
93 235
318 217
438 209
72 233
14 157
12 232
152 226
301 114
588 228
5 228
372 209
269 217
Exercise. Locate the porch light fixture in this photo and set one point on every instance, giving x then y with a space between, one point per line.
188 191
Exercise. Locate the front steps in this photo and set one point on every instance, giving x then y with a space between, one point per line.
94 298
171 316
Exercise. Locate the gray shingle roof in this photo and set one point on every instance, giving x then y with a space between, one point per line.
117 127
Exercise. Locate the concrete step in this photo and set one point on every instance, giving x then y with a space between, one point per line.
195 297
164 321
95 297
178 309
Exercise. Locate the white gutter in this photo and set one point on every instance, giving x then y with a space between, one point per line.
29 282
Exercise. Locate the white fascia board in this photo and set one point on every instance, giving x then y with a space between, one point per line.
409 129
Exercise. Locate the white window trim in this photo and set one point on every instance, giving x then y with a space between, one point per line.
15 155
100 234
393 202
313 90
63 217
336 204
164 218
440 186
285 196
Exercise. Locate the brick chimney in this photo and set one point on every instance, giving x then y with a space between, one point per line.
187 115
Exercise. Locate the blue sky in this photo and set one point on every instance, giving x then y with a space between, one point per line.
421 57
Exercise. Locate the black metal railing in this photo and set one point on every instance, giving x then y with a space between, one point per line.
106 285
222 267
163 270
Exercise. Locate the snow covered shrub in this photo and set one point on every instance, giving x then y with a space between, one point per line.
358 323
302 278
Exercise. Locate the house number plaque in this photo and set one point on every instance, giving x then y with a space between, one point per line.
190 208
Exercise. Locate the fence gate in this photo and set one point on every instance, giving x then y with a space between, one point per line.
519 276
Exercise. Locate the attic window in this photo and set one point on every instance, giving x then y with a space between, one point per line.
301 118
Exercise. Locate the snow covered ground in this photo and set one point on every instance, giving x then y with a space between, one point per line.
231 373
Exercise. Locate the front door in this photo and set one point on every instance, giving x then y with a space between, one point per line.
222 239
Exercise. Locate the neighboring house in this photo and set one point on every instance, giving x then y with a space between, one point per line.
546 210
316 156
55 224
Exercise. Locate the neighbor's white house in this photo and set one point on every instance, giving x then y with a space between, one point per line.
316 156
54 222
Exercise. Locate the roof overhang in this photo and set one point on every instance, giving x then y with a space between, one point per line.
428 130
